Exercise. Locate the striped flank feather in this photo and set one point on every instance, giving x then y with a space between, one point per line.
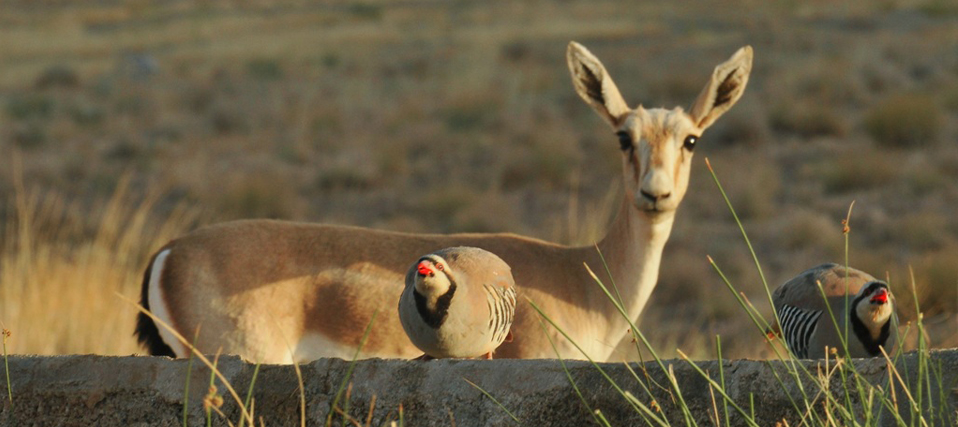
502 309
798 325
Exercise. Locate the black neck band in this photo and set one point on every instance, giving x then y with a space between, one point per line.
434 318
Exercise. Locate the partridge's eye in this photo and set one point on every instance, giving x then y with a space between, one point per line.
625 141
439 267
690 141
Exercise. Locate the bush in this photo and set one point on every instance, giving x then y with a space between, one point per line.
859 171
61 76
904 120
366 11
30 106
265 69
806 120
30 136
257 195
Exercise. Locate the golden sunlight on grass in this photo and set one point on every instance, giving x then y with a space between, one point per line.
62 264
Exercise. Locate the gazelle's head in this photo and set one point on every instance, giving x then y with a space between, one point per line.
656 143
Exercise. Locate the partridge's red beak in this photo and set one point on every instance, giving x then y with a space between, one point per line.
880 297
424 269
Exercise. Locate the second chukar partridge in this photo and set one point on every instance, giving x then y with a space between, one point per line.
807 327
458 302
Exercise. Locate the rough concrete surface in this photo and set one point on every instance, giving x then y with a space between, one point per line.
149 391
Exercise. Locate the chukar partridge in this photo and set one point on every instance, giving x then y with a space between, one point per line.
807 328
458 302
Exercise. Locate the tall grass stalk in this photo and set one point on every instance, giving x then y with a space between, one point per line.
299 378
209 414
349 372
244 412
721 364
6 363
758 266
635 403
575 387
638 335
249 393
186 388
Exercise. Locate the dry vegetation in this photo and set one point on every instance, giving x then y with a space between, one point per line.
438 116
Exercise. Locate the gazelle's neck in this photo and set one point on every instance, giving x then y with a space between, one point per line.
633 251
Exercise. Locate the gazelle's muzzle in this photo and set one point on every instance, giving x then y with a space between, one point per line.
655 192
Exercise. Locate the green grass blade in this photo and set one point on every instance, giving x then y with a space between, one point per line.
493 399
646 388
6 363
637 406
718 355
349 372
249 392
186 392
790 361
160 323
611 280
568 374
758 266
575 387
690 420
209 412
750 419
189 373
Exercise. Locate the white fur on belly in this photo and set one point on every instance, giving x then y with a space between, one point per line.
158 305
313 346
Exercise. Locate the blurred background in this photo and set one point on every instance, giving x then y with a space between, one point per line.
126 123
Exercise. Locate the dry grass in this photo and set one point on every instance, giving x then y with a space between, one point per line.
424 116
63 262
904 120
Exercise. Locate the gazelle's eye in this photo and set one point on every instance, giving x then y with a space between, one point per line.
690 141
625 141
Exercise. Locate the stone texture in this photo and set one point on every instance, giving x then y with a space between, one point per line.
148 391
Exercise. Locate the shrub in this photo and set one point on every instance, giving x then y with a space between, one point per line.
265 69
366 11
86 114
30 106
807 120
57 76
920 231
808 229
30 136
860 171
258 195
950 98
748 127
904 120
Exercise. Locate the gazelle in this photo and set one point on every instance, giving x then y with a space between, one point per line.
281 292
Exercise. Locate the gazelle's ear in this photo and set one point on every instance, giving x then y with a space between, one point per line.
594 85
726 87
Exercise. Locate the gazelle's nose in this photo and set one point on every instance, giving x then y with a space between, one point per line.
657 186
654 197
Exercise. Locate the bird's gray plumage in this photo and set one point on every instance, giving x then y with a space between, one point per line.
463 308
805 322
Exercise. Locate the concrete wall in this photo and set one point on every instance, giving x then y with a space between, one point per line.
149 391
